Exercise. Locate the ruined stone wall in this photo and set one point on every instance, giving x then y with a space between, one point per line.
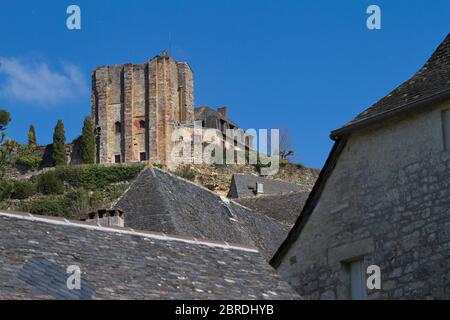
186 81
159 93
140 110
387 201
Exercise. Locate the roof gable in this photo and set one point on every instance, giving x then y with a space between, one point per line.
432 81
243 185
160 201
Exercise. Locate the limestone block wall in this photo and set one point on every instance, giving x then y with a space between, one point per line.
388 202
148 100
140 111
186 81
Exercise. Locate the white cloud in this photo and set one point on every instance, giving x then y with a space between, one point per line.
36 82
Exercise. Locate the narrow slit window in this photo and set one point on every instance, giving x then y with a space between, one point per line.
118 127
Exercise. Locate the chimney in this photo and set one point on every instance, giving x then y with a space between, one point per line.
259 188
107 218
223 111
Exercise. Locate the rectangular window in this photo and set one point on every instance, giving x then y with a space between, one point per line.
117 158
357 276
118 127
143 156
446 129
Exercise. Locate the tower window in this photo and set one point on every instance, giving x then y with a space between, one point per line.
143 156
142 124
118 127
117 158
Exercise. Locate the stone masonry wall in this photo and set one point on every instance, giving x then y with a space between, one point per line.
388 201
186 81
159 92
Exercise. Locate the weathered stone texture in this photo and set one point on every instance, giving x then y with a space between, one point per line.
388 200
159 92
140 112
186 81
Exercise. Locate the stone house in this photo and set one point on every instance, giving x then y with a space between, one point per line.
382 198
137 108
219 121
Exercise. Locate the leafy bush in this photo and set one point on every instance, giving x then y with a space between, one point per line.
158 165
94 177
49 183
283 163
300 166
6 190
259 165
186 173
16 190
78 203
23 190
56 206
29 162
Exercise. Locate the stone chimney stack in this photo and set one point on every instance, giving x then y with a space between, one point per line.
223 111
107 218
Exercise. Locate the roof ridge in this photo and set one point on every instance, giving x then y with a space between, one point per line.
269 195
429 84
125 230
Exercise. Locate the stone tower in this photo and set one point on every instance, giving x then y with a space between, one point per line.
137 106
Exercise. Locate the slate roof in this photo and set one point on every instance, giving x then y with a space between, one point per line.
432 81
210 115
160 201
285 208
118 263
429 85
243 185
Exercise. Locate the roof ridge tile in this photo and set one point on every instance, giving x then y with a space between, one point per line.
149 234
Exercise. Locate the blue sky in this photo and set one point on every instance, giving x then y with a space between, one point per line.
309 66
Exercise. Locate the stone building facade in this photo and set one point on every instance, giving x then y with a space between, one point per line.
383 199
137 106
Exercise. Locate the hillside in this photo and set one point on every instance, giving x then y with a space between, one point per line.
218 177
30 184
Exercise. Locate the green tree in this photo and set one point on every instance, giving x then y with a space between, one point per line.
31 136
59 145
88 142
5 119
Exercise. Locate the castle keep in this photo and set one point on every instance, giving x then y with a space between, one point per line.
137 106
